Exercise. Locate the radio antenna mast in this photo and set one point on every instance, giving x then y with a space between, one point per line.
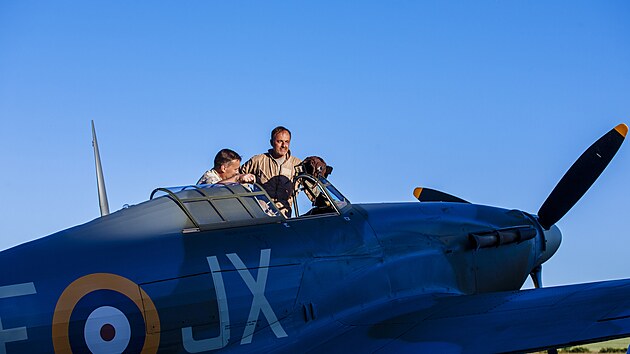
100 180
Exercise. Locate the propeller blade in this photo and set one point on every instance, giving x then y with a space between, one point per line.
432 195
582 174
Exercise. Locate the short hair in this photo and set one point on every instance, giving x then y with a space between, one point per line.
225 156
279 129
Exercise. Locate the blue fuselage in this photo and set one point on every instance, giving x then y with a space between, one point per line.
133 278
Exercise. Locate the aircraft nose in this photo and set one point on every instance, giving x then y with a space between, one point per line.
553 238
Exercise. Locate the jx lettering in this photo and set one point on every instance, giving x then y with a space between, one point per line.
259 304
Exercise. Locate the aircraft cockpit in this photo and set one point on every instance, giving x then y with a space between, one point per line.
216 206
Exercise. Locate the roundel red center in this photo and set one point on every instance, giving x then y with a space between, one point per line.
108 332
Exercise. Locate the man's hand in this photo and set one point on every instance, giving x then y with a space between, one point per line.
246 178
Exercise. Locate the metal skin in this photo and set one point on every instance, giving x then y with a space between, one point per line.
321 270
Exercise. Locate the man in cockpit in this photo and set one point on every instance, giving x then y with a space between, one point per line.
226 170
275 169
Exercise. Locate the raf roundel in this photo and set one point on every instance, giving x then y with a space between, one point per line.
105 313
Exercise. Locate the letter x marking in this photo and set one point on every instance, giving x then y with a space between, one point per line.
259 302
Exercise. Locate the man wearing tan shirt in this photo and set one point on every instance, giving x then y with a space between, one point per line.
274 170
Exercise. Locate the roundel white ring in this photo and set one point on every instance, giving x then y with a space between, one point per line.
112 319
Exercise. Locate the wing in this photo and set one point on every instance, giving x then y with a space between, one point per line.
516 321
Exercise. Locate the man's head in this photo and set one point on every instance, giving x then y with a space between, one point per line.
226 163
280 140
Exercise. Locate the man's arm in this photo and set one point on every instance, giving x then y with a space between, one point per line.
240 178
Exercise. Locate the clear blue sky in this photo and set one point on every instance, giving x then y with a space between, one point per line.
491 101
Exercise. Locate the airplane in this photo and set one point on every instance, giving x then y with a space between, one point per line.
208 268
